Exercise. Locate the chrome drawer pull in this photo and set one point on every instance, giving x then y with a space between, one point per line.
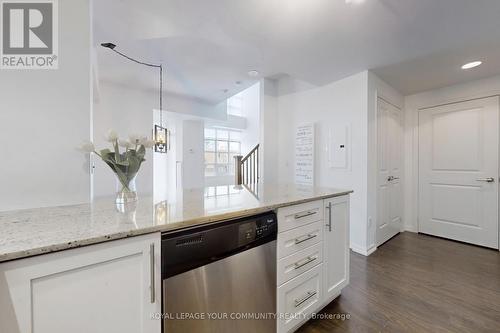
329 225
299 302
152 271
488 180
307 237
305 262
299 216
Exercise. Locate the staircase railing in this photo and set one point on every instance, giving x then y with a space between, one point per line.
247 167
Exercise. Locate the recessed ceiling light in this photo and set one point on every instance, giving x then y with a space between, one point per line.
472 64
253 73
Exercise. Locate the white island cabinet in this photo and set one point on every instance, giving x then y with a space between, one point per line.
335 247
313 258
109 287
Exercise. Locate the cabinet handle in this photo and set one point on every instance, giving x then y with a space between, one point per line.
307 237
152 269
329 225
299 216
299 302
305 262
488 180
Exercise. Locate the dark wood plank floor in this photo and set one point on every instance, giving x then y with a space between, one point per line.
418 283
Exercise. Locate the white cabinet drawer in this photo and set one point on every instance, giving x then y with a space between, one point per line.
299 298
300 238
299 262
298 215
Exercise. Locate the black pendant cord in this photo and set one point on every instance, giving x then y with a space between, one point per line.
135 60
161 78
161 95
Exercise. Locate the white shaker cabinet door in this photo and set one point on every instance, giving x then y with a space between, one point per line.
109 287
335 246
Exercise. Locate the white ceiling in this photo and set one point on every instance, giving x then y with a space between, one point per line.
442 69
209 45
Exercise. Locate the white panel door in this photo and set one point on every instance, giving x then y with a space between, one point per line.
109 287
458 171
389 193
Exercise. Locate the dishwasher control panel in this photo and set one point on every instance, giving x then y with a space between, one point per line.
189 248
257 229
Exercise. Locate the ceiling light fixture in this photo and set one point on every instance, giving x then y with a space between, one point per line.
253 73
472 64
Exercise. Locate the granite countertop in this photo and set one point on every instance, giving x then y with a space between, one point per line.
30 232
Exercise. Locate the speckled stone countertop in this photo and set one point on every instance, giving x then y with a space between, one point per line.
30 232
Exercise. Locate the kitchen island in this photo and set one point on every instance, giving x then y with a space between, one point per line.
112 256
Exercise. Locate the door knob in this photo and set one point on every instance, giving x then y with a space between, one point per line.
390 178
488 180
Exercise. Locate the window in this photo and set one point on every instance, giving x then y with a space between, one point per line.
221 145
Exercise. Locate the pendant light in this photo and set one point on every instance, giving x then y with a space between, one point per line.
160 133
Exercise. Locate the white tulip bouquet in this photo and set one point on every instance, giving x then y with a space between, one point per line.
125 164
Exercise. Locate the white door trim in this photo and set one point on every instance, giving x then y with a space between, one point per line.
399 110
414 163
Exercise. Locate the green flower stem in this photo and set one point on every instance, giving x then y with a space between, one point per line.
124 186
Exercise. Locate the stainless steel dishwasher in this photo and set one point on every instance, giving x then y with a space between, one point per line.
221 277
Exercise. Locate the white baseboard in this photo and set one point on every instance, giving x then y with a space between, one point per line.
371 249
410 228
364 251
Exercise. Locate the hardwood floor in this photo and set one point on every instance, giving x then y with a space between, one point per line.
418 283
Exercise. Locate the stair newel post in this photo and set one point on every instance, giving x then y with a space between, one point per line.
237 170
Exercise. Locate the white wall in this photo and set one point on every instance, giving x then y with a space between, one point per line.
341 102
289 85
45 114
269 131
134 111
189 106
128 111
376 88
193 160
251 112
471 90
232 121
174 156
